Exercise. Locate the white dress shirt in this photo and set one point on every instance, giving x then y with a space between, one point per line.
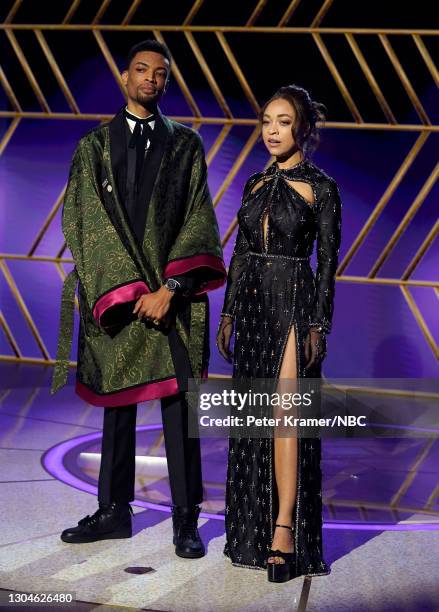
132 124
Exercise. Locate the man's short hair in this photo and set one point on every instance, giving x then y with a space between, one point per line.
148 45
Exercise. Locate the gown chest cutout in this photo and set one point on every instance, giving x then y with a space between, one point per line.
300 188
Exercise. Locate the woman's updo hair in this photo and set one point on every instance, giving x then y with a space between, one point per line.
308 112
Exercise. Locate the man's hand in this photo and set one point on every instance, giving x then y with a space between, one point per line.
154 306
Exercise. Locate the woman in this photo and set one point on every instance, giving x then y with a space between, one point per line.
282 313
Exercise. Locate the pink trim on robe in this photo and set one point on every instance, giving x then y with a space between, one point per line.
181 266
127 293
142 393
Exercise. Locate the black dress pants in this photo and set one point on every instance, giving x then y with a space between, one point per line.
117 470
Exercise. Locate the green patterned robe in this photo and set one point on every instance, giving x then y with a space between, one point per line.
121 359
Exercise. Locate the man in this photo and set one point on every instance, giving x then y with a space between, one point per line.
139 221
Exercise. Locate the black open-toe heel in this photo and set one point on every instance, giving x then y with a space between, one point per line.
281 572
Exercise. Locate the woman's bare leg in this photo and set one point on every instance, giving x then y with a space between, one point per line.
285 456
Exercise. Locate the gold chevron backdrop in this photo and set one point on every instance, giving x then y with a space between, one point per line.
321 41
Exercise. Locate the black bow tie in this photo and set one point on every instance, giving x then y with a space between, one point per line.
139 137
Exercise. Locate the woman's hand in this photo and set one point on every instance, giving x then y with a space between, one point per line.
225 331
153 306
315 347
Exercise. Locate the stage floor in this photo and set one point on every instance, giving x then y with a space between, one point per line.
381 530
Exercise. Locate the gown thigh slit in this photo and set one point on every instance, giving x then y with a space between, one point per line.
274 298
286 384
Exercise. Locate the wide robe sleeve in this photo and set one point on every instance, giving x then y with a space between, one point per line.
329 214
78 185
101 262
80 188
196 251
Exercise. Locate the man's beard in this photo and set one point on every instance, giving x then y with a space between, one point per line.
145 99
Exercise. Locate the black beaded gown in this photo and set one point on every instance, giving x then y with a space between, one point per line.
271 287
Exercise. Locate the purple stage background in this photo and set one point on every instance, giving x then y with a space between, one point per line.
375 333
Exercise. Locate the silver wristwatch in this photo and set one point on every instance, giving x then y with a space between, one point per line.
172 285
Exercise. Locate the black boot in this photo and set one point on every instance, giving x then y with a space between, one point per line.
187 540
109 522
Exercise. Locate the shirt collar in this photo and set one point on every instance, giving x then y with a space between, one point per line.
132 123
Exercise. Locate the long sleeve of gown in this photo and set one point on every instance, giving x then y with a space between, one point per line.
237 265
328 246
